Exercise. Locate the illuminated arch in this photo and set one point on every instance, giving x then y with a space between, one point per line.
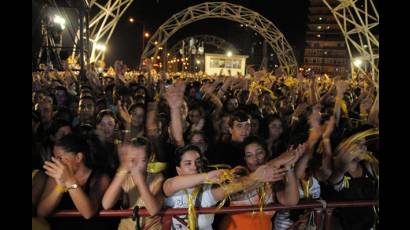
211 40
228 11
359 24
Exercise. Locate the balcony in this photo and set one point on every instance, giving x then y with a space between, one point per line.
331 56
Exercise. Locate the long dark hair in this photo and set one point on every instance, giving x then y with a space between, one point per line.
74 144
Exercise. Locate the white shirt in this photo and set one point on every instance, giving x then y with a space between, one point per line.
180 200
282 219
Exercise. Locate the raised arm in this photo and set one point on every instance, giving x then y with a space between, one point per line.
174 96
114 190
314 135
324 172
152 197
177 183
62 177
264 173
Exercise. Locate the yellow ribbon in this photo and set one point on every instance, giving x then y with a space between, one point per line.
343 105
262 195
192 218
346 181
356 137
226 176
217 166
156 167
290 81
306 185
272 95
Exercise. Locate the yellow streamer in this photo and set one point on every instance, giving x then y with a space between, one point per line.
262 195
306 186
346 181
156 167
192 218
217 166
343 105
355 138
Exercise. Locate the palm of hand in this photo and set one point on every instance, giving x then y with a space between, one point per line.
124 113
64 171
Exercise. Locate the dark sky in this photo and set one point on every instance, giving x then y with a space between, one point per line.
289 16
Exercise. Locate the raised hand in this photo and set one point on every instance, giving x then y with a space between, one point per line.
208 88
124 114
198 126
119 68
315 127
174 94
61 172
341 87
140 161
214 176
366 104
250 70
282 159
266 173
299 151
126 157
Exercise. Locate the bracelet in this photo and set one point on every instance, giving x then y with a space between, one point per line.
126 131
292 168
122 172
60 189
117 141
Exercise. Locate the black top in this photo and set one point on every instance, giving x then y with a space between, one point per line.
360 188
80 223
227 153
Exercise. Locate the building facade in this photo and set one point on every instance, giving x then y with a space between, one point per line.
325 51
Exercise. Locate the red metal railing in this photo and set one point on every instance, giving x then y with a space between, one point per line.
320 207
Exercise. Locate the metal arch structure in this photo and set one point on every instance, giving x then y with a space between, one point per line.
358 24
229 11
102 25
211 40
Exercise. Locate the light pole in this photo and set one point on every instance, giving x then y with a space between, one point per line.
144 34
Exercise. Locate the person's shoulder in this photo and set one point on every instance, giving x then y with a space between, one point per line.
99 175
207 199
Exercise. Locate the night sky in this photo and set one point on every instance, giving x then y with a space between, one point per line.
289 16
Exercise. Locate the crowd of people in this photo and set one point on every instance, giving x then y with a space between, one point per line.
121 139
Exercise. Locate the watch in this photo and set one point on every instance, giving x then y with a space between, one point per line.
73 186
